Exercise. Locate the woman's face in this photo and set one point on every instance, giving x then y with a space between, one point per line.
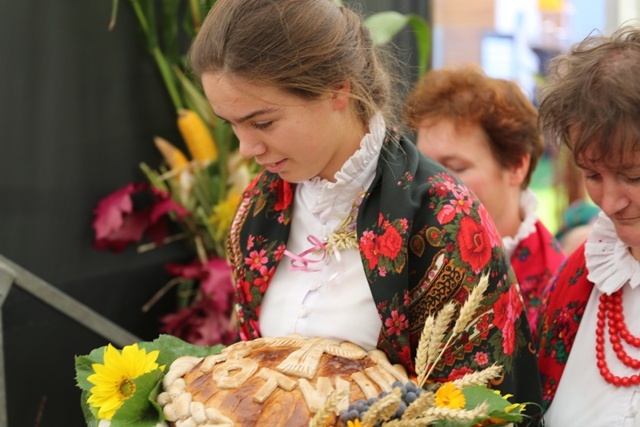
466 152
295 138
617 192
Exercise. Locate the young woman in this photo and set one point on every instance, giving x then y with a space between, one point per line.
485 131
349 233
591 317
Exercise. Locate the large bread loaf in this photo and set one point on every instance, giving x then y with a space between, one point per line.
272 382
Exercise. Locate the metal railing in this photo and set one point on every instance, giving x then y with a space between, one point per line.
10 274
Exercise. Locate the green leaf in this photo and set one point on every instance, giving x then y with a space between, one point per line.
475 395
384 26
90 413
422 33
170 36
195 100
114 13
171 348
137 409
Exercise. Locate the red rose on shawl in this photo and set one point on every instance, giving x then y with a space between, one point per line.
474 243
285 196
507 310
389 243
369 249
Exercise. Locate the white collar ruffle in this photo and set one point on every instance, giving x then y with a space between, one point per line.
528 204
355 175
608 259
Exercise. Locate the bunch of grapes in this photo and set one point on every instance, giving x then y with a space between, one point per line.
356 410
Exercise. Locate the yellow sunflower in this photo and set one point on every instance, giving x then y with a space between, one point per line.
113 379
450 396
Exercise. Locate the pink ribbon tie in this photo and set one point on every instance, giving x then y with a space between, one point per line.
299 262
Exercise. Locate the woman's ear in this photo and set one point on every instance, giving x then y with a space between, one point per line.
519 172
341 95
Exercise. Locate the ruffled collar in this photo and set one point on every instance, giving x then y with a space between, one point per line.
355 175
528 205
608 259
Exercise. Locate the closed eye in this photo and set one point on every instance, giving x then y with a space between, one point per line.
261 125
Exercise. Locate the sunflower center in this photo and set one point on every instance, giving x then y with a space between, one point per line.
127 388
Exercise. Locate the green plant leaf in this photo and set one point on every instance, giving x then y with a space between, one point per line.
114 13
384 26
475 395
422 33
170 36
195 99
137 409
171 348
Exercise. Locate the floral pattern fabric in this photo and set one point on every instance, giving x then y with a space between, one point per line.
424 240
535 261
563 306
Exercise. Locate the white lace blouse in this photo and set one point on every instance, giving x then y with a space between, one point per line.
331 298
528 205
583 397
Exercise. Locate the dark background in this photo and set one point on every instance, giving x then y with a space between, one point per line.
79 106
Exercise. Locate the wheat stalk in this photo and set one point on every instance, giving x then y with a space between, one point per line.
439 330
480 377
458 414
470 307
423 347
444 318
328 409
383 409
419 406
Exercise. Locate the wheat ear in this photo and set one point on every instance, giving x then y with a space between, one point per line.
458 414
439 330
423 349
419 406
480 377
383 409
470 306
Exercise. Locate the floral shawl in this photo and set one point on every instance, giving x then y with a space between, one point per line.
562 307
534 261
424 241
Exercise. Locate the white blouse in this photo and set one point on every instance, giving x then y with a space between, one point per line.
528 205
331 298
583 397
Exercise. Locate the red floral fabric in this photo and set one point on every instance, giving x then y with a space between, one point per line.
563 306
535 260
424 240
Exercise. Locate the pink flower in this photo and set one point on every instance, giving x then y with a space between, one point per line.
257 259
462 205
481 358
446 214
487 223
396 323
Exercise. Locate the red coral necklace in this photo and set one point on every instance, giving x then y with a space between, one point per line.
610 314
